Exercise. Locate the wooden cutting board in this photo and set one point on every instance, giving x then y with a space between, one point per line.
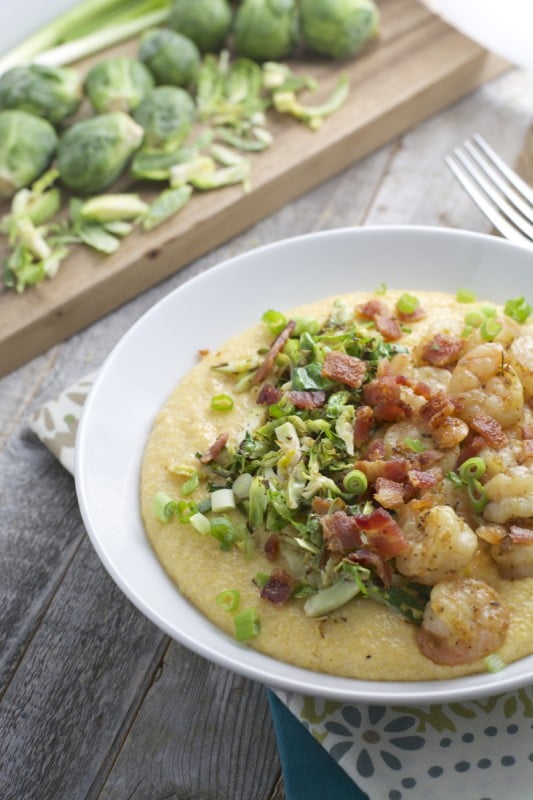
418 66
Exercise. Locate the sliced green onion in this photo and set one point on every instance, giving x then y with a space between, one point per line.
185 509
164 507
381 289
490 328
191 484
221 402
200 523
407 303
274 320
465 296
247 625
223 529
416 445
494 663
229 600
518 309
355 482
477 496
472 468
454 479
474 318
261 578
488 310
304 325
222 500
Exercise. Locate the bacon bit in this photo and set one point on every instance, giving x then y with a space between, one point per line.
371 309
389 494
279 587
277 346
442 350
364 418
383 532
438 407
527 431
526 451
307 399
340 532
489 429
472 447
416 315
372 560
376 450
381 391
345 369
393 412
422 390
320 505
203 352
420 479
388 327
268 394
394 470
218 445
518 535
447 429
272 547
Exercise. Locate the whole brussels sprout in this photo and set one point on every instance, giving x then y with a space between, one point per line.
50 92
93 152
27 146
167 115
206 22
117 84
172 59
266 30
338 28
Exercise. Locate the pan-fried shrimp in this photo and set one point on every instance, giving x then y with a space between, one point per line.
483 381
514 554
521 358
510 495
464 620
441 544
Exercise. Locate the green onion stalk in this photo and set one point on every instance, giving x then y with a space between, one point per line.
87 28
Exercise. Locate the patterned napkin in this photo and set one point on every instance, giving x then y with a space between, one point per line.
477 750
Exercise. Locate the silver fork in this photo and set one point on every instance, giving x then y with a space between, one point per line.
502 195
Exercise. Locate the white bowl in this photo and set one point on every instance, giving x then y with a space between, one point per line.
151 358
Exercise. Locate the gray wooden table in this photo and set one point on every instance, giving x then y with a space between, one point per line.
95 702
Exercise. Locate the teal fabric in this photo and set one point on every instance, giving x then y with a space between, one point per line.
309 772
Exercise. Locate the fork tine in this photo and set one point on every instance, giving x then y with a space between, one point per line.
525 190
502 183
490 211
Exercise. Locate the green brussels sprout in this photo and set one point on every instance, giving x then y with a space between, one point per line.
27 146
173 59
266 30
167 115
338 28
206 22
50 92
117 84
93 152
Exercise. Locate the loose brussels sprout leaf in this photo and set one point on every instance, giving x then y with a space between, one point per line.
166 205
266 30
206 22
338 28
93 152
167 115
27 146
50 92
173 59
117 84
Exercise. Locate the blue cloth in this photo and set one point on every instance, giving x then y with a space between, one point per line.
309 772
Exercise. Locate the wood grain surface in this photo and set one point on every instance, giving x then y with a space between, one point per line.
95 701
418 66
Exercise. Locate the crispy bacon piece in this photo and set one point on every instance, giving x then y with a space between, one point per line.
343 368
272 547
372 560
385 323
277 346
375 450
490 429
527 431
446 428
340 532
364 419
389 494
394 470
423 479
279 587
383 532
382 390
416 315
472 447
442 350
268 394
372 308
306 399
218 445
518 535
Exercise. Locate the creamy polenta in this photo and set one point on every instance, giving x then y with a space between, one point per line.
359 474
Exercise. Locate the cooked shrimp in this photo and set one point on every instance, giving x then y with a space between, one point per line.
483 381
441 544
464 620
521 358
514 553
510 495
